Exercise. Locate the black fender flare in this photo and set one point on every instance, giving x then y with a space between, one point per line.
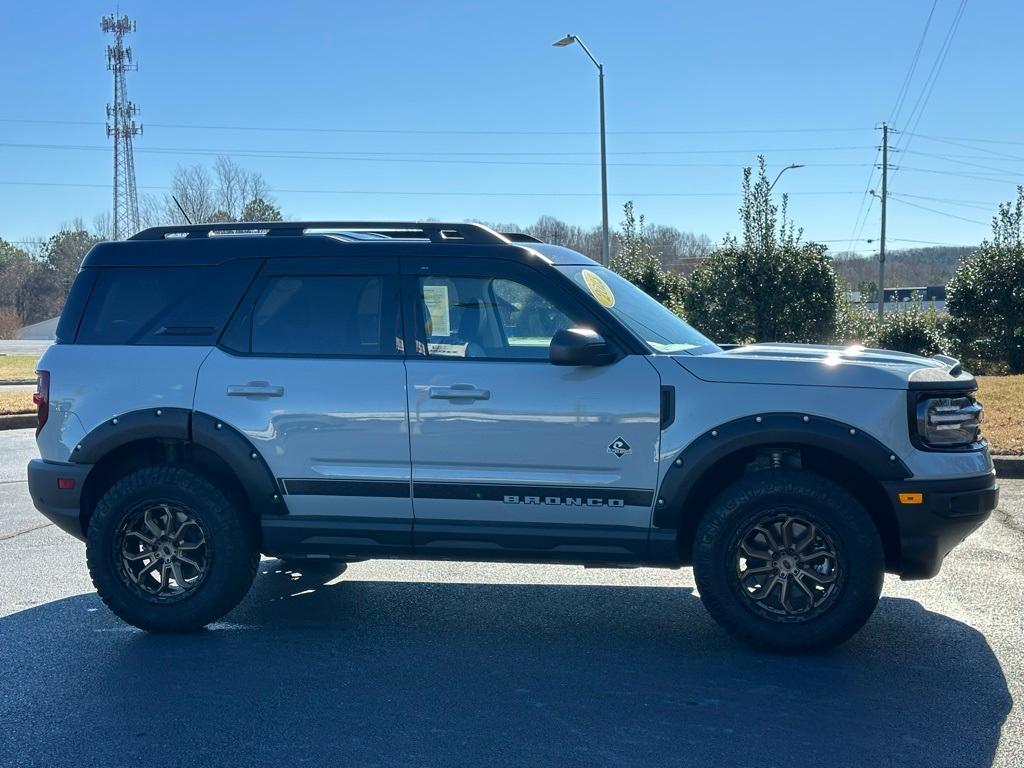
690 464
187 426
144 424
248 464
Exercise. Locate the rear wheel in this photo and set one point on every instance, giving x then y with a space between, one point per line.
168 551
788 560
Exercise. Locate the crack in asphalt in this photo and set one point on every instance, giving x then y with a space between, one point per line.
1011 521
27 530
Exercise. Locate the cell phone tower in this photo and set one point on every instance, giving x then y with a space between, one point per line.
121 126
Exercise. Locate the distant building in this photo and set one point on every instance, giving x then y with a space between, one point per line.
43 331
926 294
931 296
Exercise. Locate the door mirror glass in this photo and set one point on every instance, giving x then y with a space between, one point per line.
580 346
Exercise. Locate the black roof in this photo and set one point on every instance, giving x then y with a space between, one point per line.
209 244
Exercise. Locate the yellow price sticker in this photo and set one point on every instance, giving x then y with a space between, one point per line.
599 289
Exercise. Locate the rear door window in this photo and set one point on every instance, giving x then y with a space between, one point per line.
327 315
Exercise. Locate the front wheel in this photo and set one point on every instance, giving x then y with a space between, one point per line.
168 551
789 561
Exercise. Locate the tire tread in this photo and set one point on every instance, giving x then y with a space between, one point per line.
236 553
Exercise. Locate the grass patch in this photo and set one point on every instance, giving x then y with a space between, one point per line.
1003 398
16 402
17 368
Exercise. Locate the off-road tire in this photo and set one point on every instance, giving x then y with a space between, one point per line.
232 536
860 559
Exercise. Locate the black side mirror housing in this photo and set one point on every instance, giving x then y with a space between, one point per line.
580 346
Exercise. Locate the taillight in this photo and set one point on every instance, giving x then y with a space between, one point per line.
41 398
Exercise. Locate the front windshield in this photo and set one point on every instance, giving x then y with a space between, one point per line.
659 327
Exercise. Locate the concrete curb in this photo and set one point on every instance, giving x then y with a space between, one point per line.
17 382
1009 467
18 421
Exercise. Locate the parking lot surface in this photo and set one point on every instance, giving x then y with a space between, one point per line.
449 664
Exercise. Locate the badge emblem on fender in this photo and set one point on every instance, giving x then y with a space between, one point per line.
620 447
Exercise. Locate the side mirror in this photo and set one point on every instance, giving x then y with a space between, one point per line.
580 346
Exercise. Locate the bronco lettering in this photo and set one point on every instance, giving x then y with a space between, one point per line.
568 501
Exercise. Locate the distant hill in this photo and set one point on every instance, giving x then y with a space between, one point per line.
908 267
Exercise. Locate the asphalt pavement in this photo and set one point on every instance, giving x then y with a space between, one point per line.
443 664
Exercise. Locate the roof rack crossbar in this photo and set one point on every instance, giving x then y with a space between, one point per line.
463 232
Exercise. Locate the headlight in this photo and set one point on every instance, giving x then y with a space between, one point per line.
948 422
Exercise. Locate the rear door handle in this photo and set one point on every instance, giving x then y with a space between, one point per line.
459 392
255 389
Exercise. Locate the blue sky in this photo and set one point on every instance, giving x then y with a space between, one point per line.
456 109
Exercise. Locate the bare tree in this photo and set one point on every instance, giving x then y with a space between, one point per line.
102 226
193 188
679 251
154 212
223 195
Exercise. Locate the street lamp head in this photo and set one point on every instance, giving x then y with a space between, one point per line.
567 40
797 165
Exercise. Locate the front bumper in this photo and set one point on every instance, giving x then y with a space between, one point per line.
62 506
947 513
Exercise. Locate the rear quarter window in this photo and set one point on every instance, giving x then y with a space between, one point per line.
163 305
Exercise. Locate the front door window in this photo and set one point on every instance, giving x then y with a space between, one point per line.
486 318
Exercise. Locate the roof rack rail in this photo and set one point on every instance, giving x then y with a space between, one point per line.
436 232
520 237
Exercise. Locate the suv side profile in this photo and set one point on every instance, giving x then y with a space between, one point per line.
350 390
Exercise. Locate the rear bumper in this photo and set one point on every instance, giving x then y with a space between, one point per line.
60 506
949 511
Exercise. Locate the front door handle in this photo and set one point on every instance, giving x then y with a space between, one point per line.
255 389
459 392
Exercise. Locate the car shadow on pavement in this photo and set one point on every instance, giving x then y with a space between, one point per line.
316 668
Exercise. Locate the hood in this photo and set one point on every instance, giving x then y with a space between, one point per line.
826 366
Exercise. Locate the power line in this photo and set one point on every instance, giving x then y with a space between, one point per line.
473 193
940 213
992 152
857 226
913 169
967 138
956 156
403 153
929 242
950 200
411 157
950 159
441 132
905 88
933 75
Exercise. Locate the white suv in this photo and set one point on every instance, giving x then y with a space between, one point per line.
346 390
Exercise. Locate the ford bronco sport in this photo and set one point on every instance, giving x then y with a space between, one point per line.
343 390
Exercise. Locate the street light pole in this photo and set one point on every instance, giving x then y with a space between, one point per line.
792 165
605 249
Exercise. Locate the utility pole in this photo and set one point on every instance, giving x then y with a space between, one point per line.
121 126
881 237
